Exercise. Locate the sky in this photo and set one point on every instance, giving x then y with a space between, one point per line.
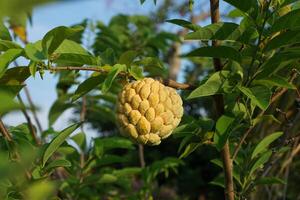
67 13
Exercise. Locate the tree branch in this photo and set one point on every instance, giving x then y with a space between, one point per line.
30 125
167 82
95 69
32 108
141 156
4 131
219 101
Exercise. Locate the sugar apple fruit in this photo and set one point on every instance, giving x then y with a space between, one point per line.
148 111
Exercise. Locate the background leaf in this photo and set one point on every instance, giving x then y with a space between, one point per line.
259 95
212 86
264 143
112 75
216 52
7 57
56 36
87 85
222 134
57 141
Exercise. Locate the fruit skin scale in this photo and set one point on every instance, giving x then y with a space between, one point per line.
148 111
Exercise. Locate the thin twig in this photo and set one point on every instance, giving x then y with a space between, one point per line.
95 69
32 108
83 112
219 100
283 90
141 156
167 82
29 123
273 99
179 86
236 150
5 132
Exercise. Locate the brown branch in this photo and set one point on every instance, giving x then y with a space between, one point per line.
179 86
8 137
142 156
274 97
4 131
238 147
29 123
32 108
167 82
219 100
295 151
95 69
283 90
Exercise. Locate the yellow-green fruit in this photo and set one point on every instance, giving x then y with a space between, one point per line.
148 111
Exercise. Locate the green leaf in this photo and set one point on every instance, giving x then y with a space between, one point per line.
265 118
40 190
259 95
57 141
218 181
185 24
164 165
288 37
249 6
235 13
223 31
34 52
150 62
108 159
222 133
57 108
275 80
289 21
6 44
190 148
69 46
269 181
32 68
107 178
4 33
113 143
278 61
128 171
116 69
7 57
87 85
52 40
80 140
13 80
76 59
264 143
211 87
260 161
136 72
15 76
216 52
127 57
7 103
108 56
58 163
